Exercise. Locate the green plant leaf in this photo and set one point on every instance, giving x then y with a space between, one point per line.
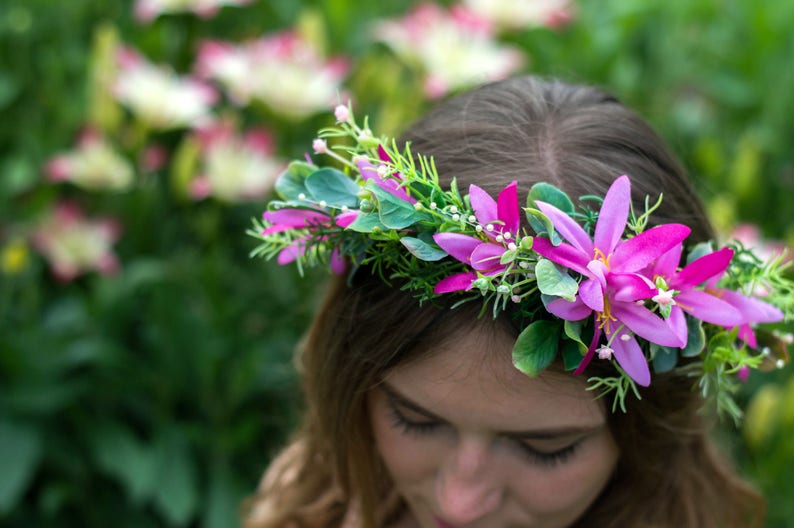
573 330
334 187
292 182
21 452
571 355
367 223
121 455
664 358
552 281
541 224
536 346
696 337
546 192
177 496
422 250
395 213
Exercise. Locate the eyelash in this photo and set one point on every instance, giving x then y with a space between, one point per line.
409 427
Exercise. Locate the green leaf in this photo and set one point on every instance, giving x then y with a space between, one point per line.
177 496
395 213
571 355
536 346
334 187
573 330
21 452
367 223
700 250
664 358
541 224
135 464
696 337
552 281
422 250
292 182
546 192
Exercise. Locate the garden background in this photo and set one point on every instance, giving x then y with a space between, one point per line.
145 374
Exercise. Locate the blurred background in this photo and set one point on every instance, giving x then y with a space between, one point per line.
145 359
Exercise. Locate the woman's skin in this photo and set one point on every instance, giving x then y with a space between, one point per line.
471 442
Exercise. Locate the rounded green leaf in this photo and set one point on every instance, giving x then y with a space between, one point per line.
422 250
536 346
548 193
333 187
292 182
552 281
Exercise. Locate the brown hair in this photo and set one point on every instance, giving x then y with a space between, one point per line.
527 129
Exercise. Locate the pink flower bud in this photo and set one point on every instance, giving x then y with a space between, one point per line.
319 146
342 114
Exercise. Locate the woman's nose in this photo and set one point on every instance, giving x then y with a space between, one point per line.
467 485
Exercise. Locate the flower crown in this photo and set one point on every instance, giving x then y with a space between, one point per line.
588 283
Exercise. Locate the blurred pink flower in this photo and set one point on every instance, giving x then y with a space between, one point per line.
148 10
94 165
455 48
282 70
750 236
74 245
158 96
235 167
523 14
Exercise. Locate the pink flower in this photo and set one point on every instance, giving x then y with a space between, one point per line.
289 218
74 245
523 14
159 97
499 220
283 70
384 178
750 237
612 283
455 48
148 10
94 165
235 167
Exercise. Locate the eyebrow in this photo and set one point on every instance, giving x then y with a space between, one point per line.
552 433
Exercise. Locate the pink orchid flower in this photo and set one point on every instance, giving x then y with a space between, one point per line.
500 220
289 218
391 182
612 284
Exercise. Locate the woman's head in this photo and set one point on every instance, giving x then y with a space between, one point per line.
528 130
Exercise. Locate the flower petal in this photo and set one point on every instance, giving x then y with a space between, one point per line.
667 265
346 218
390 184
646 324
631 359
564 255
507 208
592 295
458 245
630 287
709 308
568 310
486 257
296 217
613 215
636 253
703 269
485 208
568 228
752 310
590 351
677 324
457 282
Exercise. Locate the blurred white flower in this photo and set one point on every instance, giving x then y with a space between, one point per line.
158 96
93 165
148 10
454 48
74 245
235 167
282 70
522 14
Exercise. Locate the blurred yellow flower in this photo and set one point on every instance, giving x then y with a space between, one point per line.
14 257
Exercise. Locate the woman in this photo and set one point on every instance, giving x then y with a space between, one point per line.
415 414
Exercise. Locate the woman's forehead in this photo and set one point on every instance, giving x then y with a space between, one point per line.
470 375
